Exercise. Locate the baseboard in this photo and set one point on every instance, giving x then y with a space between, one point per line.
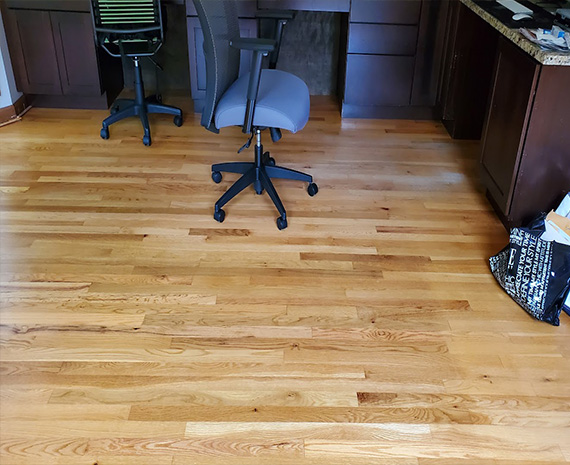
388 112
90 102
7 113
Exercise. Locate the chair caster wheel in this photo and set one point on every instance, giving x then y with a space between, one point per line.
268 159
104 133
216 177
146 140
281 223
178 120
220 215
312 189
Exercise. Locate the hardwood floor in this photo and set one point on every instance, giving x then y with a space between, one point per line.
137 330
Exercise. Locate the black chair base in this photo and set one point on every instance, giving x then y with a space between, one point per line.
141 107
259 173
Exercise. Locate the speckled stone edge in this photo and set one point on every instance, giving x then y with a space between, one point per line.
544 57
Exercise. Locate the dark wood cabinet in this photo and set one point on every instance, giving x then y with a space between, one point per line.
391 84
429 53
389 62
525 150
468 63
34 52
511 98
73 35
382 39
394 58
56 61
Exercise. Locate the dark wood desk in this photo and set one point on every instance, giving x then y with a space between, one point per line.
389 59
387 53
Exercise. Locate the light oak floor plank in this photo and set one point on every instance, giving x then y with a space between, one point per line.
134 329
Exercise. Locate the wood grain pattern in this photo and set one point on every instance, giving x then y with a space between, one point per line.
134 329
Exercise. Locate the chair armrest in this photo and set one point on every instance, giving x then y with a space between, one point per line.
257 45
283 15
260 48
280 17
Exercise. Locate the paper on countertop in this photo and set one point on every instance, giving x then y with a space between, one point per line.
515 7
554 39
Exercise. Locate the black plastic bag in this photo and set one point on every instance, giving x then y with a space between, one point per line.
534 272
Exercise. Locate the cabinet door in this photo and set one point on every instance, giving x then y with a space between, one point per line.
378 80
468 72
382 39
33 50
503 138
76 53
429 55
248 28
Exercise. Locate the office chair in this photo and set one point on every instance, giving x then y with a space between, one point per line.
262 99
127 28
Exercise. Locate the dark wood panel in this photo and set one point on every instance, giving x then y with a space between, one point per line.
511 99
77 55
246 8
444 98
51 5
33 52
378 80
306 5
386 11
387 112
429 52
469 71
544 174
383 39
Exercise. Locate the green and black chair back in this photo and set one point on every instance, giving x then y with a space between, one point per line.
124 23
132 28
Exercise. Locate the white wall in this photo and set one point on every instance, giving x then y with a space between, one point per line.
8 92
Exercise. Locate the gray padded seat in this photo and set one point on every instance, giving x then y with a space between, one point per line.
283 102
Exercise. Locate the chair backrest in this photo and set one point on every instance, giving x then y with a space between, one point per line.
122 20
219 21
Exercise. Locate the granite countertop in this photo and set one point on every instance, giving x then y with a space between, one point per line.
542 56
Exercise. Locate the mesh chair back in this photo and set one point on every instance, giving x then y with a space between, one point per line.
118 21
219 21
126 15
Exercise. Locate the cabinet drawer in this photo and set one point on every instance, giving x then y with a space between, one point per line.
33 51
385 11
383 39
378 80
246 8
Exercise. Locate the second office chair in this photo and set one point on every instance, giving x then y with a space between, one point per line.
127 28
262 99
